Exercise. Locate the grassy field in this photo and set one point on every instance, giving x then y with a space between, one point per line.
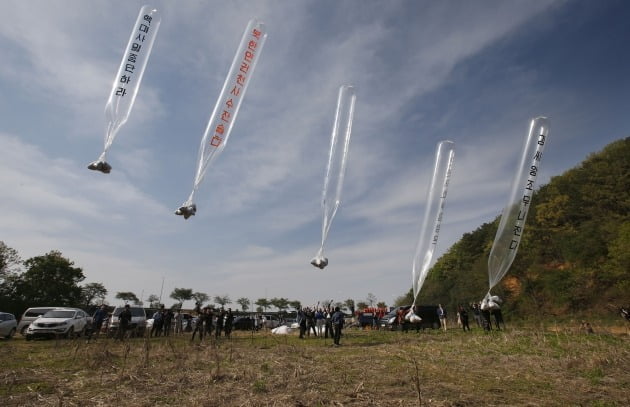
522 366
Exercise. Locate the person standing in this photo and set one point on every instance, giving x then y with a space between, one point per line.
477 314
328 328
156 329
463 316
441 312
99 317
229 318
337 322
200 326
124 321
220 320
209 322
301 320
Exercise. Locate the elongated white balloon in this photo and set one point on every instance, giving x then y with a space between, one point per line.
228 104
128 78
514 214
336 169
433 214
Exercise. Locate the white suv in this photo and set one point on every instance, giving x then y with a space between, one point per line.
138 321
67 322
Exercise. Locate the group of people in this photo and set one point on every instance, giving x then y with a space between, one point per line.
322 321
211 321
483 317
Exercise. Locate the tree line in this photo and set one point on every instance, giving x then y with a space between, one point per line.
53 280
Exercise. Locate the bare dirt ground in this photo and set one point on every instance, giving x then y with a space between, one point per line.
551 366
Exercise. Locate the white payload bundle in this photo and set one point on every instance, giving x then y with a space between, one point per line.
281 330
412 317
491 303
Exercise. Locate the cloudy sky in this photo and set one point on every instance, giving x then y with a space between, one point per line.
424 71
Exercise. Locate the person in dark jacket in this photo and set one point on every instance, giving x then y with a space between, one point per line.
227 324
124 321
337 322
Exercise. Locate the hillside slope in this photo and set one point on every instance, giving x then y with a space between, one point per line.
575 253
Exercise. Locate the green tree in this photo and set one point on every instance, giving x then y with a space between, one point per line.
127 296
362 304
153 300
244 303
200 297
381 304
263 303
51 279
93 294
182 294
222 300
295 304
280 303
10 266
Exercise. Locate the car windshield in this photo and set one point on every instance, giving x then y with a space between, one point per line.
59 314
36 312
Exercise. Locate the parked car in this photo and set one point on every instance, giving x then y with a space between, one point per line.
428 313
29 316
138 321
270 321
8 325
245 323
66 322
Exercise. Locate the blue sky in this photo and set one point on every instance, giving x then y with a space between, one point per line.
424 71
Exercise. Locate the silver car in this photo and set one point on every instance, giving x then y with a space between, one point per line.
8 325
29 316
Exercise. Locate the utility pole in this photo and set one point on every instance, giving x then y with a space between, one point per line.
161 290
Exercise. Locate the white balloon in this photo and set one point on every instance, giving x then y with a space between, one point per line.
336 168
433 214
514 214
128 78
227 106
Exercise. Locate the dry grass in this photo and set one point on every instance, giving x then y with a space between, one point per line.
518 367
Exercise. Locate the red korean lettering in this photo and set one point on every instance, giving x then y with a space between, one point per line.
244 67
252 45
240 79
249 56
229 103
225 116
220 129
216 141
256 33
236 91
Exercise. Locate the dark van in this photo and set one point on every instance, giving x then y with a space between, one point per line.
428 313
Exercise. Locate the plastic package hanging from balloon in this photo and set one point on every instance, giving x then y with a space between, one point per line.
336 168
128 78
227 106
433 214
512 223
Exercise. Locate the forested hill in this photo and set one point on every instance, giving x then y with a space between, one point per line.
574 257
